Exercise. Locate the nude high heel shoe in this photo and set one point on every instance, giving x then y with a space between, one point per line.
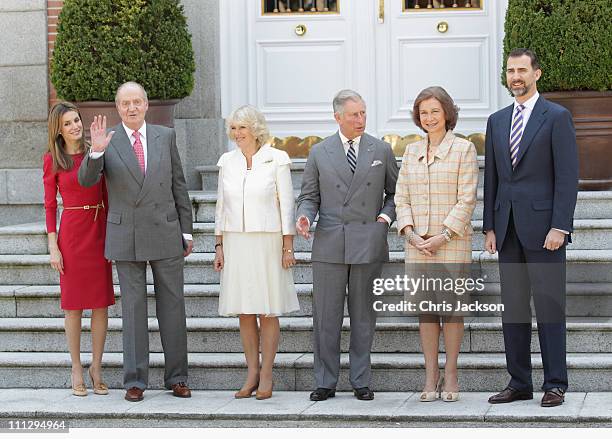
449 396
99 389
246 393
432 396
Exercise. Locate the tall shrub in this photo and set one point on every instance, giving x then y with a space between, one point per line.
102 43
573 40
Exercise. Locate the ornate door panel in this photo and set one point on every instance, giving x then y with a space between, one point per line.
291 63
454 47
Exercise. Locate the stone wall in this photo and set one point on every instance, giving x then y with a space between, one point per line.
23 94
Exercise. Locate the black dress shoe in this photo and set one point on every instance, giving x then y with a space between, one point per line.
509 395
553 397
321 394
363 394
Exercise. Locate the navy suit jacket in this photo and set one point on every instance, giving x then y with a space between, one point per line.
541 191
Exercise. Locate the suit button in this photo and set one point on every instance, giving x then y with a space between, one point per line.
338 186
363 203
363 222
156 223
368 183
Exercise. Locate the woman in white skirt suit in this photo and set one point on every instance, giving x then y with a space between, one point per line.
254 228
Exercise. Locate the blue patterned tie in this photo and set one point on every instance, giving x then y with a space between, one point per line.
516 133
351 157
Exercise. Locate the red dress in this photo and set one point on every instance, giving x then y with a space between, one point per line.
87 280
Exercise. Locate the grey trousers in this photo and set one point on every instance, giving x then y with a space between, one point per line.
330 282
170 311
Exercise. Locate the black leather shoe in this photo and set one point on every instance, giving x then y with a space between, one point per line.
363 394
553 397
321 394
509 395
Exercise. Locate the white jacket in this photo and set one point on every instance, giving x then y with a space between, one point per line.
259 200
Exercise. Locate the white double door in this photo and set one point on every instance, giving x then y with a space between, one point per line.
375 47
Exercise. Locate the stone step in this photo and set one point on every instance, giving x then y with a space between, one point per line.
209 335
209 174
218 409
294 409
592 234
582 266
590 205
201 300
227 371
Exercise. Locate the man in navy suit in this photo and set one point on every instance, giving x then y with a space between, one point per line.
530 190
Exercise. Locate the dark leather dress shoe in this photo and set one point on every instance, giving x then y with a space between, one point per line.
553 397
180 390
509 395
363 394
134 394
321 394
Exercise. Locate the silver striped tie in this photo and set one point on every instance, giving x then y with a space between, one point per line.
516 133
351 157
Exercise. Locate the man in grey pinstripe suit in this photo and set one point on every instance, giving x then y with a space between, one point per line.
149 219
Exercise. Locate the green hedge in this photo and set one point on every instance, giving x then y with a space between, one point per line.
103 43
572 38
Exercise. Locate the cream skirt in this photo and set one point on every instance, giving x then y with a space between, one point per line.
253 280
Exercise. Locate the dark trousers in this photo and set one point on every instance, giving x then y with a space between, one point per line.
541 274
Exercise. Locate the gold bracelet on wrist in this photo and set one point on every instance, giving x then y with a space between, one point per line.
287 250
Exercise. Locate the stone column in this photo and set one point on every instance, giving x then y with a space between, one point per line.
198 121
23 112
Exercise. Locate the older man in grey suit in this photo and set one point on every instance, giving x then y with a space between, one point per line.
349 180
149 219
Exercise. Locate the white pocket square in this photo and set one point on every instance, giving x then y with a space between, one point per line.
376 163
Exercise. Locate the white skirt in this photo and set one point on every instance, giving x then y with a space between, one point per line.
253 280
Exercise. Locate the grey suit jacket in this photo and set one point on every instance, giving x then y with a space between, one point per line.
348 205
146 215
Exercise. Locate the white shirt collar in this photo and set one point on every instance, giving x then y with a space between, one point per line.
529 103
344 139
142 130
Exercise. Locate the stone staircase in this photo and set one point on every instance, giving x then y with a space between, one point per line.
33 348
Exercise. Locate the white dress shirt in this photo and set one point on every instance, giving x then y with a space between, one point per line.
143 139
346 145
529 104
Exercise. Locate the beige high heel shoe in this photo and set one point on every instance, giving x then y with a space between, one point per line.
79 389
99 389
432 396
449 396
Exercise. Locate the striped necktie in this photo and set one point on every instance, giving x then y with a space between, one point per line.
351 157
516 133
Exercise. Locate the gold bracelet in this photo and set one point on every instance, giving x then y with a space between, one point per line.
287 250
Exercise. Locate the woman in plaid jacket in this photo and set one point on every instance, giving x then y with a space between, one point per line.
435 198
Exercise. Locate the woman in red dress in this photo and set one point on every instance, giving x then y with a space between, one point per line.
78 252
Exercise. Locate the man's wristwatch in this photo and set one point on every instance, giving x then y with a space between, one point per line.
448 235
